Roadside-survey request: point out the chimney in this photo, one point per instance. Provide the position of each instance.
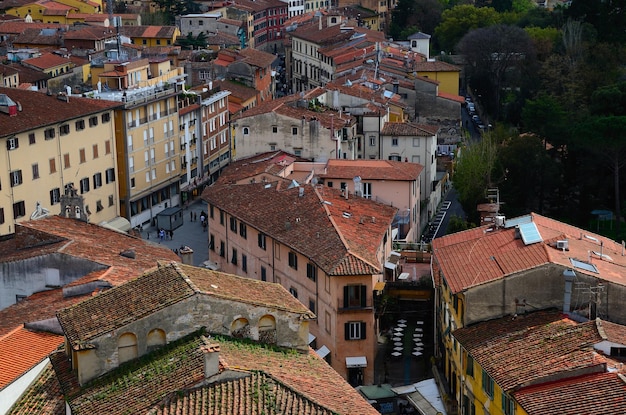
(569, 275)
(211, 352)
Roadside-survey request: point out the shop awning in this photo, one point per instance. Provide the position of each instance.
(357, 361)
(322, 352)
(311, 338)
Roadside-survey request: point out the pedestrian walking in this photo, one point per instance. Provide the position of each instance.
(195, 216)
(172, 235)
(202, 218)
(191, 216)
(161, 234)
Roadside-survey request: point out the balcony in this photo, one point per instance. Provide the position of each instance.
(366, 306)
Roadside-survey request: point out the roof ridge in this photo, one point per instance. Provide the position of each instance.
(332, 220)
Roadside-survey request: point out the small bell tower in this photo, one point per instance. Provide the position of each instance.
(73, 204)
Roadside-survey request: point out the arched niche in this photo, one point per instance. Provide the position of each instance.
(267, 329)
(127, 347)
(156, 338)
(240, 328)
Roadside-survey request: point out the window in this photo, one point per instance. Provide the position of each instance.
(16, 178)
(262, 241)
(469, 369)
(508, 405)
(84, 185)
(221, 217)
(294, 130)
(80, 125)
(311, 271)
(263, 274)
(293, 292)
(93, 121)
(354, 296)
(35, 171)
(367, 190)
(66, 160)
(97, 180)
(1, 216)
(111, 200)
(293, 260)
(107, 147)
(81, 155)
(95, 151)
(99, 206)
(355, 330)
(394, 142)
(132, 182)
(222, 249)
(233, 224)
(64, 129)
(106, 117)
(488, 384)
(312, 305)
(246, 130)
(243, 231)
(31, 138)
(19, 210)
(274, 129)
(13, 143)
(244, 262)
(55, 196)
(233, 258)
(110, 174)
(53, 166)
(49, 134)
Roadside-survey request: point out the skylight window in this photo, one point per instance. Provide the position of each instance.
(603, 256)
(583, 265)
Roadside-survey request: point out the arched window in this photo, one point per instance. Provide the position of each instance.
(267, 329)
(127, 347)
(246, 130)
(156, 338)
(240, 328)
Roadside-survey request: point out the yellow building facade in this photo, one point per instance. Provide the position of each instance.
(72, 147)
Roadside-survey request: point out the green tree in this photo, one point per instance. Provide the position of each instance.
(605, 137)
(545, 118)
(459, 20)
(544, 40)
(410, 16)
(473, 173)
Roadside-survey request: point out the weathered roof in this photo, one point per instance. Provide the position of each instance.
(163, 383)
(31, 117)
(156, 32)
(532, 348)
(339, 244)
(47, 60)
(158, 289)
(593, 394)
(409, 129)
(372, 169)
(477, 256)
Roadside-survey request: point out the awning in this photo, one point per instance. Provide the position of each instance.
(322, 352)
(358, 361)
(390, 265)
(311, 338)
(379, 286)
(119, 224)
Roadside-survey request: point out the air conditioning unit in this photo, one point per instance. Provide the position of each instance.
(563, 244)
(499, 221)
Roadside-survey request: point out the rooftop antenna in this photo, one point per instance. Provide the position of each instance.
(113, 21)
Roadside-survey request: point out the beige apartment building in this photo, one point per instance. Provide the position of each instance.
(326, 249)
(68, 146)
(146, 134)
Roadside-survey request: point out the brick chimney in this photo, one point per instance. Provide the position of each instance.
(211, 353)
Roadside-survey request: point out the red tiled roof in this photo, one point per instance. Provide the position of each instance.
(594, 394)
(160, 288)
(32, 117)
(475, 257)
(451, 97)
(532, 348)
(237, 90)
(257, 58)
(44, 396)
(372, 169)
(15, 28)
(409, 129)
(154, 32)
(339, 244)
(22, 349)
(435, 66)
(47, 60)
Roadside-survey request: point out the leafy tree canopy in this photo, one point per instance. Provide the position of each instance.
(459, 20)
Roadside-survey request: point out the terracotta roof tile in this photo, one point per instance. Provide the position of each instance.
(475, 257)
(339, 244)
(31, 117)
(17, 27)
(435, 66)
(43, 397)
(410, 129)
(148, 31)
(257, 58)
(531, 348)
(594, 394)
(240, 91)
(372, 169)
(21, 349)
(160, 382)
(159, 288)
(46, 61)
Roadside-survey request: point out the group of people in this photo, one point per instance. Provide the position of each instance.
(163, 234)
(193, 216)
